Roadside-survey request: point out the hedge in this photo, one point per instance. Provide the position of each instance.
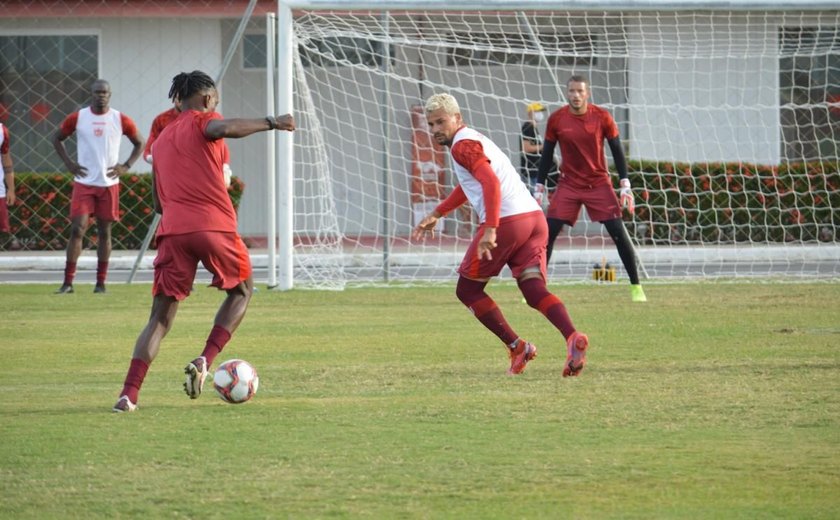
(676, 203)
(721, 203)
(40, 219)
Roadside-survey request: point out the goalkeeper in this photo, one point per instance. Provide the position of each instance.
(580, 128)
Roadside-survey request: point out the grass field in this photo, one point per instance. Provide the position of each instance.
(710, 401)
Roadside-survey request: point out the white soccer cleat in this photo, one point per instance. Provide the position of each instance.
(124, 404)
(196, 372)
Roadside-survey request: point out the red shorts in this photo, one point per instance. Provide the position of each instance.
(103, 203)
(520, 243)
(223, 254)
(600, 201)
(4, 215)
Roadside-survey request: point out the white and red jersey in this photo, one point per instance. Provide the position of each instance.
(98, 142)
(515, 197)
(4, 149)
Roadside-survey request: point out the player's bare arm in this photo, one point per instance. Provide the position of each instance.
(136, 152)
(9, 177)
(72, 166)
(236, 128)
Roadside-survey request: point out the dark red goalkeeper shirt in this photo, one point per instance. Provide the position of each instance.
(581, 139)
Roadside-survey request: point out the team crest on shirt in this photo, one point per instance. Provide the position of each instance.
(98, 132)
(590, 127)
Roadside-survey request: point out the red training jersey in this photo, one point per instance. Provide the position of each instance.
(581, 140)
(159, 123)
(189, 182)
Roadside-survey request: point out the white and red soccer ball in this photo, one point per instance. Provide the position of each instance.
(236, 381)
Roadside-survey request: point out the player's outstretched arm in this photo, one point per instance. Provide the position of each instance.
(72, 166)
(426, 226)
(429, 222)
(236, 128)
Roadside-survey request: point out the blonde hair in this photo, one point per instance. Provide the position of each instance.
(444, 101)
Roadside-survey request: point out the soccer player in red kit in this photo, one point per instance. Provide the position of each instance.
(512, 232)
(7, 180)
(581, 128)
(158, 124)
(96, 176)
(198, 224)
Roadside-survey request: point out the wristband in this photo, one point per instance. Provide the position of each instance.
(270, 120)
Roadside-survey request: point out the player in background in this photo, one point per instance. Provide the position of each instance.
(7, 186)
(198, 224)
(159, 123)
(580, 128)
(96, 176)
(512, 232)
(530, 144)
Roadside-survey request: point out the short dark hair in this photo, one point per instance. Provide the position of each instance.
(100, 81)
(578, 78)
(185, 84)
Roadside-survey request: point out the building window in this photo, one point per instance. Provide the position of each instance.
(42, 79)
(809, 91)
(253, 51)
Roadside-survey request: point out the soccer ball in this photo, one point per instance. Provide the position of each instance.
(236, 381)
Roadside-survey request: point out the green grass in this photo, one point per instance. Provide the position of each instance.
(709, 401)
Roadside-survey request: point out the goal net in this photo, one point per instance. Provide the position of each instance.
(730, 119)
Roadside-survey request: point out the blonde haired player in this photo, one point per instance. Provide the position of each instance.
(512, 232)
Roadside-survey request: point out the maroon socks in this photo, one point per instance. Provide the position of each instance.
(101, 272)
(216, 341)
(69, 272)
(538, 297)
(471, 293)
(134, 379)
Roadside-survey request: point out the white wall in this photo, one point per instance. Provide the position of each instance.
(139, 57)
(705, 90)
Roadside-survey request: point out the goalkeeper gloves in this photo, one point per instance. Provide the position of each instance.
(539, 193)
(626, 195)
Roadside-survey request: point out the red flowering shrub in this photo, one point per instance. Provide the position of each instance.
(720, 203)
(41, 218)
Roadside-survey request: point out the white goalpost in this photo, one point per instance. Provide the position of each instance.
(729, 112)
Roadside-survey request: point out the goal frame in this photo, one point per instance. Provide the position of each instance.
(282, 244)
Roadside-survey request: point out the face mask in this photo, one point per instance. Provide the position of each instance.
(539, 117)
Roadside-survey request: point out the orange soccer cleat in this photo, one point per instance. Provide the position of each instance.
(520, 355)
(575, 354)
